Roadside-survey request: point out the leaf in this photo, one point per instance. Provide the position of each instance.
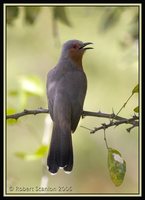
(116, 166)
(39, 153)
(11, 111)
(136, 109)
(11, 14)
(42, 150)
(32, 85)
(31, 13)
(13, 92)
(22, 99)
(111, 17)
(136, 89)
(60, 14)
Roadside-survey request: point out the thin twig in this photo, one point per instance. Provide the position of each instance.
(116, 123)
(124, 104)
(86, 128)
(105, 139)
(130, 128)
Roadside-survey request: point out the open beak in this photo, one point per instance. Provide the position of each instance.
(85, 44)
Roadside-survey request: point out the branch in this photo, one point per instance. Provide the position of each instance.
(102, 115)
(116, 123)
(27, 112)
(120, 120)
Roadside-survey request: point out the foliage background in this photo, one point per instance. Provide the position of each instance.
(33, 45)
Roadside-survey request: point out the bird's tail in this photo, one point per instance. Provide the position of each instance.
(61, 151)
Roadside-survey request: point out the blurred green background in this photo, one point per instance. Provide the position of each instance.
(34, 37)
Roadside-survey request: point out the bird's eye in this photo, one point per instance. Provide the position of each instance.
(74, 46)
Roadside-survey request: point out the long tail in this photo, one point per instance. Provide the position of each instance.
(61, 151)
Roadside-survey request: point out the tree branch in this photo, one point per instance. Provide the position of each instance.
(117, 123)
(120, 120)
(27, 112)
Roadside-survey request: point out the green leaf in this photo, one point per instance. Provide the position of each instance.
(39, 153)
(136, 109)
(12, 13)
(60, 14)
(111, 17)
(42, 150)
(116, 166)
(31, 13)
(23, 98)
(32, 85)
(11, 111)
(136, 89)
(13, 92)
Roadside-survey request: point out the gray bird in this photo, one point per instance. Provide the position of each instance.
(66, 90)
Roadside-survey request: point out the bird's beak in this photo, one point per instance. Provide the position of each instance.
(85, 44)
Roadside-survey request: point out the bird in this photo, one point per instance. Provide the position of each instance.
(66, 90)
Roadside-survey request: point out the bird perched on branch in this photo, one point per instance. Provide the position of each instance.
(66, 90)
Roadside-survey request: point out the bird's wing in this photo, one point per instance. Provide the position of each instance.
(50, 87)
(71, 86)
(74, 86)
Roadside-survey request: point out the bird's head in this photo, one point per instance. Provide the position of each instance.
(74, 50)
